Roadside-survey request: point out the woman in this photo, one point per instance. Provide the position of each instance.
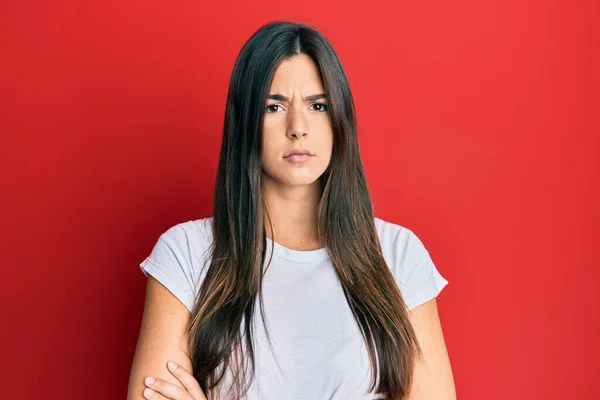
(292, 289)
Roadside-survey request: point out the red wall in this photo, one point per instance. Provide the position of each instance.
(479, 130)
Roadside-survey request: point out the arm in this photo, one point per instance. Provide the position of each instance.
(432, 378)
(162, 338)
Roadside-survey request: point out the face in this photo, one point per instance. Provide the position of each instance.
(296, 118)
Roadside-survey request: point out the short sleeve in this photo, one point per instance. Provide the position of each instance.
(173, 262)
(418, 276)
(410, 262)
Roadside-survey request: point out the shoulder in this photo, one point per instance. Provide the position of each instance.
(183, 232)
(411, 264)
(190, 239)
(399, 243)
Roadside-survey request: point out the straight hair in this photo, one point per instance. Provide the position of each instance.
(221, 328)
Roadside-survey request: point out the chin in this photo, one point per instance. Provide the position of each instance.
(297, 180)
(300, 177)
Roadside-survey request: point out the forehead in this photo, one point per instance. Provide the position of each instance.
(297, 73)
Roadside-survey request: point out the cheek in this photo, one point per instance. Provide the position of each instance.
(270, 146)
(326, 145)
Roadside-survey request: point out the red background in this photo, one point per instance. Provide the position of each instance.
(479, 130)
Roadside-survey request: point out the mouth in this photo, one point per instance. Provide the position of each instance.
(298, 153)
(298, 157)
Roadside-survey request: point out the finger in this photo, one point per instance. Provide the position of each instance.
(187, 380)
(166, 389)
(152, 395)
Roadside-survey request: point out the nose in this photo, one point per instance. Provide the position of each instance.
(297, 126)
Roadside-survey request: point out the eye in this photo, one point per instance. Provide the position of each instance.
(321, 107)
(269, 108)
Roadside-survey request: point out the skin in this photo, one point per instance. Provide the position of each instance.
(292, 190)
(162, 338)
(292, 194)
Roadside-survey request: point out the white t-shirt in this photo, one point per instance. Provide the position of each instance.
(319, 351)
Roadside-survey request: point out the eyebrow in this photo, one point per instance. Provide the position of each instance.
(313, 97)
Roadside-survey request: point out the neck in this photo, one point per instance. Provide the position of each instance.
(293, 212)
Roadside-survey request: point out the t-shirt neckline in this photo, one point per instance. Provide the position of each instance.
(297, 255)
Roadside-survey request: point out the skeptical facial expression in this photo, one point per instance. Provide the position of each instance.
(296, 118)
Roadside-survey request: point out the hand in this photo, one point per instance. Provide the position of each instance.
(158, 389)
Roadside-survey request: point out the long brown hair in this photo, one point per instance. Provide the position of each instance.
(226, 300)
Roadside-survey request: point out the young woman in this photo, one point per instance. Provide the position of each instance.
(293, 289)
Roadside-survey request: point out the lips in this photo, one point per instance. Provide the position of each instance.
(298, 152)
